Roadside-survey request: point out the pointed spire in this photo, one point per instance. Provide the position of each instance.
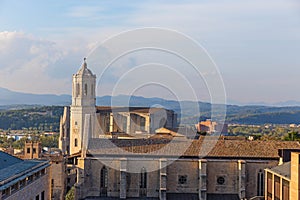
(84, 65)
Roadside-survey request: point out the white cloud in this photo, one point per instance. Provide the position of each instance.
(35, 65)
(240, 35)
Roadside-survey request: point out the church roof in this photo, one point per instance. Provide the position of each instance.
(101, 109)
(204, 147)
(84, 71)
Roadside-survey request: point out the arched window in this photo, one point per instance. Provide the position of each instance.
(143, 183)
(103, 181)
(143, 178)
(260, 183)
(77, 89)
(85, 89)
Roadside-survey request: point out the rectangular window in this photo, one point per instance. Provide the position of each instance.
(5, 192)
(75, 142)
(143, 122)
(28, 150)
(37, 175)
(22, 183)
(43, 195)
(269, 185)
(34, 150)
(29, 179)
(37, 197)
(277, 187)
(14, 188)
(285, 190)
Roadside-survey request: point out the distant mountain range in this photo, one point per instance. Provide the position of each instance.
(281, 113)
(8, 97)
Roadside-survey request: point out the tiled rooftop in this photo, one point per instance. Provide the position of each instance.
(204, 147)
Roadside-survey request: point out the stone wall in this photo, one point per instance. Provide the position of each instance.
(180, 170)
(226, 176)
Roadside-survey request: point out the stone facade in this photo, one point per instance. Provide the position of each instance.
(197, 177)
(83, 103)
(164, 164)
(103, 120)
(57, 175)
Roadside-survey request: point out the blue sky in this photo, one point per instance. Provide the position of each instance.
(255, 43)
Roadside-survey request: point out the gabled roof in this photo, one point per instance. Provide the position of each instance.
(204, 147)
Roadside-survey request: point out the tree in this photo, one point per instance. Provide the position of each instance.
(292, 136)
(49, 141)
(71, 194)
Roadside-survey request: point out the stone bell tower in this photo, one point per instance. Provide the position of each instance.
(83, 103)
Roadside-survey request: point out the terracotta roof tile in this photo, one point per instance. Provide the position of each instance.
(204, 147)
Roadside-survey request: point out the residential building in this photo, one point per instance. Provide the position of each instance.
(23, 179)
(211, 127)
(283, 181)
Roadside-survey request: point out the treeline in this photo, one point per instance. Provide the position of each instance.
(50, 141)
(291, 117)
(266, 132)
(44, 118)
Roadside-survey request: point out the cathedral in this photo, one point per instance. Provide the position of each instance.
(136, 153)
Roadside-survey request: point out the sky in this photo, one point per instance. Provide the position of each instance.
(255, 44)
